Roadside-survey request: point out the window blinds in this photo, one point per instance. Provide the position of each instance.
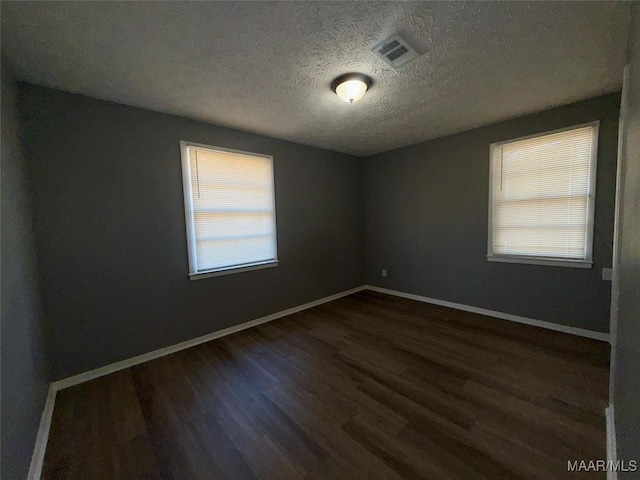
(542, 195)
(231, 209)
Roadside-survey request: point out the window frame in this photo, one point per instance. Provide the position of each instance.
(587, 262)
(187, 194)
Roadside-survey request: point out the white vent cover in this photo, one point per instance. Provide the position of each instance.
(395, 51)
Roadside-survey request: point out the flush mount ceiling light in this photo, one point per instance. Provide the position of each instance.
(350, 87)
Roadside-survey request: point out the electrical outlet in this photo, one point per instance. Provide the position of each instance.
(384, 272)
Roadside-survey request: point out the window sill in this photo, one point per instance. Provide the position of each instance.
(228, 271)
(541, 261)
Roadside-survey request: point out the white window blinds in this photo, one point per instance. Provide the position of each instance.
(229, 203)
(543, 195)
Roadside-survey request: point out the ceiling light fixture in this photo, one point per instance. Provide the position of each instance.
(350, 87)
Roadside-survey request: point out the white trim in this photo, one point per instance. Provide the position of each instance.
(223, 149)
(187, 193)
(35, 469)
(591, 202)
(229, 271)
(581, 332)
(612, 454)
(591, 206)
(130, 362)
(145, 357)
(615, 263)
(40, 447)
(540, 261)
(594, 123)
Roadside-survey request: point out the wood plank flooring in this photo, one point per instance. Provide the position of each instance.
(366, 387)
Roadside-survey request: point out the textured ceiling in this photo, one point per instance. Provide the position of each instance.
(266, 67)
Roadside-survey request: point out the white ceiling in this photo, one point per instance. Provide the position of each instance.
(266, 67)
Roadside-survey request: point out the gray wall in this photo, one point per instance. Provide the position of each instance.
(626, 385)
(426, 223)
(24, 383)
(110, 230)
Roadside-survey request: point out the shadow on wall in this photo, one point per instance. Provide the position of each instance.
(24, 382)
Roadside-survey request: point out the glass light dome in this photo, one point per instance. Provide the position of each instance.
(351, 87)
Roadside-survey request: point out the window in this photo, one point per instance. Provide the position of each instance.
(542, 197)
(230, 210)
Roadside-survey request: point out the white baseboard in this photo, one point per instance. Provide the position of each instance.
(114, 367)
(40, 447)
(35, 469)
(37, 459)
(604, 337)
(612, 455)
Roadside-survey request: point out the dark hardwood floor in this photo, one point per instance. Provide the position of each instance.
(366, 387)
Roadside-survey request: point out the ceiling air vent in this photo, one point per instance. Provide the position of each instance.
(395, 51)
